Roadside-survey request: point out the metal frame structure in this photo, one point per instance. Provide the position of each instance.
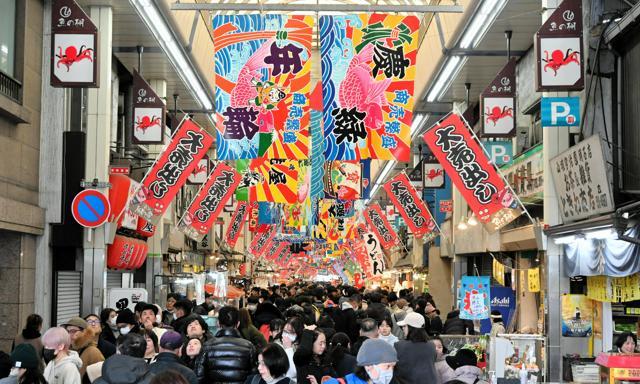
(256, 7)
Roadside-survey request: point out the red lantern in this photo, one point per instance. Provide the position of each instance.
(126, 253)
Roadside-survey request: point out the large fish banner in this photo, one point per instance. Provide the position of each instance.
(263, 74)
(368, 68)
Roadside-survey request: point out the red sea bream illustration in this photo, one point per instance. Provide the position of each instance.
(496, 114)
(72, 55)
(559, 60)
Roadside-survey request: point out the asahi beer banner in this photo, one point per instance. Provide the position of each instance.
(148, 113)
(559, 49)
(464, 160)
(378, 223)
(497, 103)
(368, 69)
(237, 223)
(263, 75)
(200, 173)
(412, 208)
(74, 40)
(169, 173)
(209, 201)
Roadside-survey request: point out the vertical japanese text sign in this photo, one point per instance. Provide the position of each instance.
(261, 240)
(209, 201)
(490, 198)
(170, 171)
(559, 50)
(74, 44)
(236, 224)
(148, 113)
(498, 104)
(379, 224)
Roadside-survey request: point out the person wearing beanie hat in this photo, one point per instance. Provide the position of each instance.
(126, 322)
(169, 357)
(464, 364)
(25, 366)
(375, 363)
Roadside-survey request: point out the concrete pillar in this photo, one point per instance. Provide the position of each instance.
(99, 126)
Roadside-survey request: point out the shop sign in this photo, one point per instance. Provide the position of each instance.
(498, 104)
(378, 223)
(417, 174)
(475, 297)
(559, 50)
(621, 374)
(526, 174)
(170, 171)
(200, 173)
(491, 199)
(433, 173)
(560, 111)
(577, 316)
(375, 255)
(446, 206)
(580, 181)
(413, 209)
(209, 201)
(500, 151)
(74, 45)
(237, 223)
(148, 113)
(121, 298)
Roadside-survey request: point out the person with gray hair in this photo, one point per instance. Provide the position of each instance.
(63, 365)
(368, 330)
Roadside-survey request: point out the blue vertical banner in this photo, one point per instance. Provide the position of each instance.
(475, 298)
(503, 299)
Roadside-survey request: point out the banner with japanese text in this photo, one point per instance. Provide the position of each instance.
(169, 173)
(261, 241)
(378, 223)
(412, 208)
(236, 224)
(375, 258)
(280, 181)
(466, 164)
(343, 179)
(263, 74)
(368, 69)
(209, 201)
(475, 298)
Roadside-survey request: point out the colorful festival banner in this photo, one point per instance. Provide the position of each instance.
(343, 179)
(253, 216)
(263, 74)
(359, 250)
(261, 240)
(577, 316)
(378, 223)
(170, 171)
(368, 68)
(236, 224)
(278, 180)
(490, 198)
(317, 143)
(475, 298)
(412, 208)
(209, 201)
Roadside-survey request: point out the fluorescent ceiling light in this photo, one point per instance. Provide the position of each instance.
(462, 225)
(418, 118)
(482, 21)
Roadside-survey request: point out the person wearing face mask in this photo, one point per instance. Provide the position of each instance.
(108, 317)
(82, 342)
(25, 366)
(183, 310)
(63, 365)
(375, 363)
(289, 339)
(273, 365)
(126, 322)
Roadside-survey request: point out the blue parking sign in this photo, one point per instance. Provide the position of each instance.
(560, 111)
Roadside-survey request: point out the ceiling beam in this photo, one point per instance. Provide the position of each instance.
(316, 7)
(479, 52)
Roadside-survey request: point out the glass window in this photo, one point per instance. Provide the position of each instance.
(7, 35)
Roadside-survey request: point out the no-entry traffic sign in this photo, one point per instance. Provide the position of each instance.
(90, 208)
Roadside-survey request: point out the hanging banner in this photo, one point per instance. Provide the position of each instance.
(533, 280)
(74, 44)
(236, 224)
(498, 271)
(343, 179)
(376, 257)
(577, 316)
(200, 173)
(261, 240)
(412, 208)
(263, 74)
(559, 50)
(317, 143)
(368, 69)
(148, 113)
(498, 104)
(279, 180)
(475, 298)
(464, 160)
(209, 201)
(503, 299)
(169, 173)
(378, 223)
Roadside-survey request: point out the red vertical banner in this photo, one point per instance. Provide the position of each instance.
(237, 220)
(380, 226)
(359, 249)
(170, 171)
(209, 201)
(491, 199)
(253, 216)
(261, 241)
(413, 209)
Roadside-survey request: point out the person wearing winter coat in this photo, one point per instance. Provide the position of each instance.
(273, 365)
(63, 365)
(375, 363)
(107, 348)
(168, 358)
(454, 325)
(249, 331)
(82, 341)
(31, 335)
(464, 364)
(444, 371)
(129, 366)
(25, 366)
(195, 326)
(312, 363)
(416, 354)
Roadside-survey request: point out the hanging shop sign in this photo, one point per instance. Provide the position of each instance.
(498, 272)
(560, 111)
(500, 151)
(498, 104)
(261, 240)
(254, 211)
(559, 49)
(577, 316)
(433, 172)
(368, 69)
(343, 179)
(413, 209)
(169, 173)
(209, 201)
(475, 298)
(148, 113)
(490, 198)
(533, 280)
(201, 171)
(126, 253)
(580, 181)
(378, 223)
(525, 174)
(90, 208)
(263, 74)
(237, 223)
(279, 180)
(375, 256)
(121, 298)
(74, 44)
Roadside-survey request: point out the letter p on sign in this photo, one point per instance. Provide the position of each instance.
(560, 111)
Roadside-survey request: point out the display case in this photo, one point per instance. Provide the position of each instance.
(619, 368)
(477, 343)
(510, 354)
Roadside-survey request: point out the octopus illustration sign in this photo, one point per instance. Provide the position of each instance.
(491, 199)
(498, 103)
(263, 81)
(559, 50)
(368, 68)
(74, 46)
(148, 113)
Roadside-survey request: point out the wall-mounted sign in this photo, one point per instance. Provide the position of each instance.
(498, 104)
(526, 174)
(559, 49)
(580, 180)
(148, 113)
(446, 206)
(500, 151)
(74, 44)
(560, 111)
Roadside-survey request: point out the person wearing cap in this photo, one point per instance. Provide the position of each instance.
(497, 325)
(465, 367)
(25, 366)
(126, 367)
(148, 316)
(63, 365)
(416, 354)
(126, 322)
(82, 341)
(375, 364)
(169, 357)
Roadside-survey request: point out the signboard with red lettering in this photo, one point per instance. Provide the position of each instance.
(148, 113)
(261, 240)
(464, 160)
(498, 104)
(74, 38)
(378, 223)
(170, 171)
(237, 223)
(209, 201)
(446, 206)
(412, 208)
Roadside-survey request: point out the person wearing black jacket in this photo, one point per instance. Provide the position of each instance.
(167, 359)
(312, 363)
(454, 325)
(344, 363)
(346, 318)
(432, 315)
(228, 358)
(182, 310)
